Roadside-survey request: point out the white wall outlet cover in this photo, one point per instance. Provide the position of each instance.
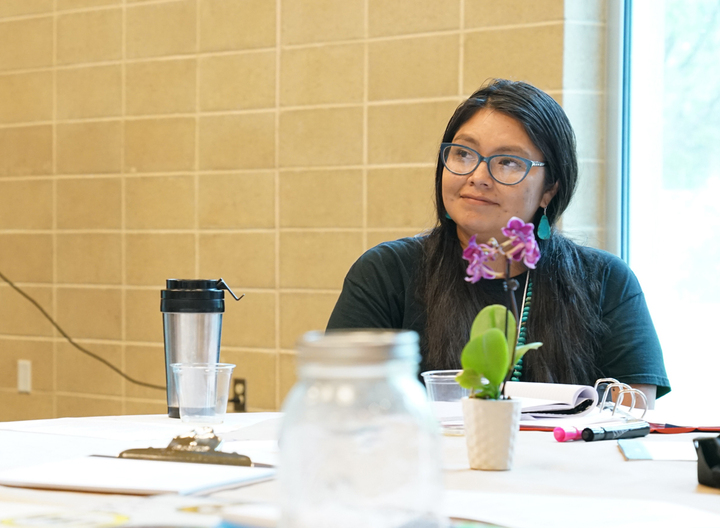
(24, 379)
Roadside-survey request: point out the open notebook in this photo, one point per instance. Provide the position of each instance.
(552, 400)
(543, 406)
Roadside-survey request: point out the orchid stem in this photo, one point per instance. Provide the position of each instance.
(510, 287)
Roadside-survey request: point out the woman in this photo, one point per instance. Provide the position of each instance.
(509, 150)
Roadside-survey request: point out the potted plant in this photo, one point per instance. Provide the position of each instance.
(488, 359)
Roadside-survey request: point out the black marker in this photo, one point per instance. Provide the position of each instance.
(613, 432)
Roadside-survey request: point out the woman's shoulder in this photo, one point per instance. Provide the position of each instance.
(603, 259)
(390, 258)
(618, 280)
(589, 257)
(407, 250)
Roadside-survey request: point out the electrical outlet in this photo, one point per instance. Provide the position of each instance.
(239, 395)
(24, 375)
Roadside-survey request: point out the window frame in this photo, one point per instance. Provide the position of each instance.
(618, 76)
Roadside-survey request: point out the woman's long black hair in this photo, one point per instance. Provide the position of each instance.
(565, 311)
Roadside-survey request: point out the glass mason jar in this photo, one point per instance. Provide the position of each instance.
(359, 446)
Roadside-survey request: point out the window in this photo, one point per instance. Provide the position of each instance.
(673, 210)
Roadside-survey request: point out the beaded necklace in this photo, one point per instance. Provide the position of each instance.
(522, 335)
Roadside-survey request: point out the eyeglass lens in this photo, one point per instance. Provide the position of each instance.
(504, 168)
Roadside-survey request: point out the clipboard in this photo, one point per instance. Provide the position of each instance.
(197, 447)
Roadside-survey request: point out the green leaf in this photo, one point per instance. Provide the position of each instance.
(469, 379)
(493, 316)
(487, 354)
(491, 392)
(521, 350)
(487, 392)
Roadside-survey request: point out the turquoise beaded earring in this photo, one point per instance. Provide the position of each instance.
(544, 227)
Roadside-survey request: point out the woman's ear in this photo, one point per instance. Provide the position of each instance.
(549, 195)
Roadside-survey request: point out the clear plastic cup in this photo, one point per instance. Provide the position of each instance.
(444, 394)
(203, 390)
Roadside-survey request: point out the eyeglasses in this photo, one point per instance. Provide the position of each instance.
(503, 168)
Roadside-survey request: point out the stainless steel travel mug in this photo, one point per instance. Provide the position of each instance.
(192, 324)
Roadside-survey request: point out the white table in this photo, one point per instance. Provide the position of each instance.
(542, 465)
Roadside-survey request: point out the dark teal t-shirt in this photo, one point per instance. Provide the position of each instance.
(380, 292)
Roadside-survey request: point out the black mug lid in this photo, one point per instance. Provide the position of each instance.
(191, 284)
(195, 296)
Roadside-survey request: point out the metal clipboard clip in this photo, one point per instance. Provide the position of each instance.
(198, 446)
(623, 388)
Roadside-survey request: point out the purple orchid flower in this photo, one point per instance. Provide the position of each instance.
(478, 255)
(522, 239)
(523, 247)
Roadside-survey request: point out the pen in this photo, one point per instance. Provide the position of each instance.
(614, 432)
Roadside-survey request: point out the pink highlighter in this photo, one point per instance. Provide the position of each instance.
(566, 434)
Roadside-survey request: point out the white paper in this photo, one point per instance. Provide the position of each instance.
(511, 510)
(252, 515)
(259, 430)
(64, 510)
(259, 451)
(133, 428)
(594, 417)
(134, 477)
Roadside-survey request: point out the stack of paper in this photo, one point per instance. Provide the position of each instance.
(134, 477)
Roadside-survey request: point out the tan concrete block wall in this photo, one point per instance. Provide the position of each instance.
(264, 141)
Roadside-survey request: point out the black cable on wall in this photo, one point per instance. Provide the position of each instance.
(73, 343)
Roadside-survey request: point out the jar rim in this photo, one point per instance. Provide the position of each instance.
(359, 346)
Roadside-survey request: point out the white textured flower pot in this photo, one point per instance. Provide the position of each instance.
(491, 427)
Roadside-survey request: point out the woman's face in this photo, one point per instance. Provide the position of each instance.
(478, 204)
